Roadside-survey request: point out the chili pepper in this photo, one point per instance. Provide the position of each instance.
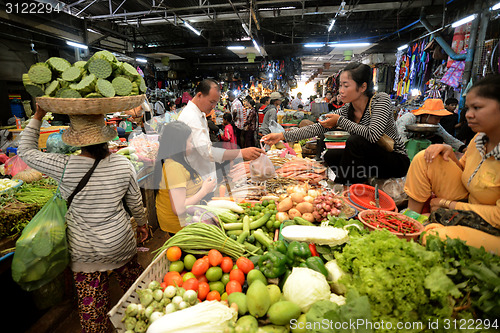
(316, 263)
(273, 264)
(279, 246)
(312, 248)
(298, 252)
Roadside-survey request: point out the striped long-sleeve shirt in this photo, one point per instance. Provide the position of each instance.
(372, 125)
(100, 235)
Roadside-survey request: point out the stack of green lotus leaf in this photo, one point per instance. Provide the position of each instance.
(101, 76)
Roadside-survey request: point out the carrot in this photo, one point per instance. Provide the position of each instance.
(222, 191)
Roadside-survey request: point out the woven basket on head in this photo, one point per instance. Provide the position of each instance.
(75, 106)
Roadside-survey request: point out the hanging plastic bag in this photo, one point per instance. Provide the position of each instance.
(42, 250)
(274, 127)
(14, 165)
(262, 168)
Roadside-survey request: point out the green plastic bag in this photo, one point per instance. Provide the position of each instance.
(42, 250)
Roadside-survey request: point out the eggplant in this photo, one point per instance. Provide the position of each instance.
(202, 215)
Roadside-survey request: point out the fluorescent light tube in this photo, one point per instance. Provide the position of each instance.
(256, 46)
(403, 47)
(314, 45)
(78, 45)
(191, 28)
(464, 20)
(236, 47)
(245, 28)
(349, 44)
(331, 25)
(495, 7)
(140, 60)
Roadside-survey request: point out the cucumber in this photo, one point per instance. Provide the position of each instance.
(259, 222)
(302, 221)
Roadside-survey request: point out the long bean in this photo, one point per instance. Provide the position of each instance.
(199, 238)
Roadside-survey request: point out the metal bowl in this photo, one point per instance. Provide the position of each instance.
(337, 135)
(428, 128)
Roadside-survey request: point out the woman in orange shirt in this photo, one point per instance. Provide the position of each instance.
(179, 185)
(467, 192)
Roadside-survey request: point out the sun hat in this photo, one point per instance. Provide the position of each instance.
(87, 130)
(275, 95)
(432, 106)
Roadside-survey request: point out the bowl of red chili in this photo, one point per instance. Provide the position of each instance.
(400, 225)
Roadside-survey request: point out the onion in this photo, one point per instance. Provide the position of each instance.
(281, 216)
(328, 208)
(309, 199)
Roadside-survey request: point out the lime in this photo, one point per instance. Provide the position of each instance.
(223, 297)
(277, 224)
(271, 206)
(225, 278)
(189, 260)
(214, 273)
(187, 276)
(176, 266)
(218, 286)
(269, 224)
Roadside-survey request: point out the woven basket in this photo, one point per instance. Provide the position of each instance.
(79, 106)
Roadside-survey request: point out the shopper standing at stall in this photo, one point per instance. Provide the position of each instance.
(249, 126)
(204, 155)
(239, 114)
(369, 120)
(178, 183)
(100, 235)
(467, 192)
(296, 101)
(271, 113)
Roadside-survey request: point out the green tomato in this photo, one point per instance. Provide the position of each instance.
(187, 276)
(189, 260)
(271, 206)
(214, 274)
(176, 266)
(265, 203)
(218, 285)
(276, 224)
(225, 278)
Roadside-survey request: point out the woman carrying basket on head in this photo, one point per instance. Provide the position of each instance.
(100, 235)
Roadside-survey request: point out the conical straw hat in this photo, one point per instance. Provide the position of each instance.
(87, 130)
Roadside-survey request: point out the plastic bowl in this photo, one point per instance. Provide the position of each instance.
(413, 236)
(364, 196)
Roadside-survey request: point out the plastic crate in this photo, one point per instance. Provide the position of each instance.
(155, 271)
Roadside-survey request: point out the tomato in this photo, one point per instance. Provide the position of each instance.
(233, 287)
(203, 290)
(176, 266)
(191, 284)
(237, 275)
(200, 267)
(202, 278)
(245, 264)
(173, 278)
(174, 253)
(163, 285)
(214, 274)
(214, 257)
(206, 258)
(226, 264)
(213, 296)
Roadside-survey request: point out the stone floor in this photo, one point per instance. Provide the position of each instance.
(63, 318)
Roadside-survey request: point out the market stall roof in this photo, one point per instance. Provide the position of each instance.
(201, 30)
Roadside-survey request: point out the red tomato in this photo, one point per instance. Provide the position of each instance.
(173, 278)
(203, 290)
(245, 264)
(214, 257)
(237, 275)
(226, 264)
(200, 267)
(213, 296)
(233, 287)
(191, 284)
(163, 285)
(202, 278)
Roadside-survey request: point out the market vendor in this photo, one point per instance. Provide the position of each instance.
(179, 185)
(271, 112)
(430, 113)
(194, 114)
(369, 120)
(465, 194)
(100, 235)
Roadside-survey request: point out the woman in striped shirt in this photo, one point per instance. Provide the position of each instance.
(367, 117)
(101, 237)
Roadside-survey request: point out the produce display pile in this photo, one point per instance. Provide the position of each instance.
(17, 208)
(270, 269)
(101, 76)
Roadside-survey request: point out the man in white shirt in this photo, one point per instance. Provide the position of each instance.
(159, 108)
(296, 102)
(204, 156)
